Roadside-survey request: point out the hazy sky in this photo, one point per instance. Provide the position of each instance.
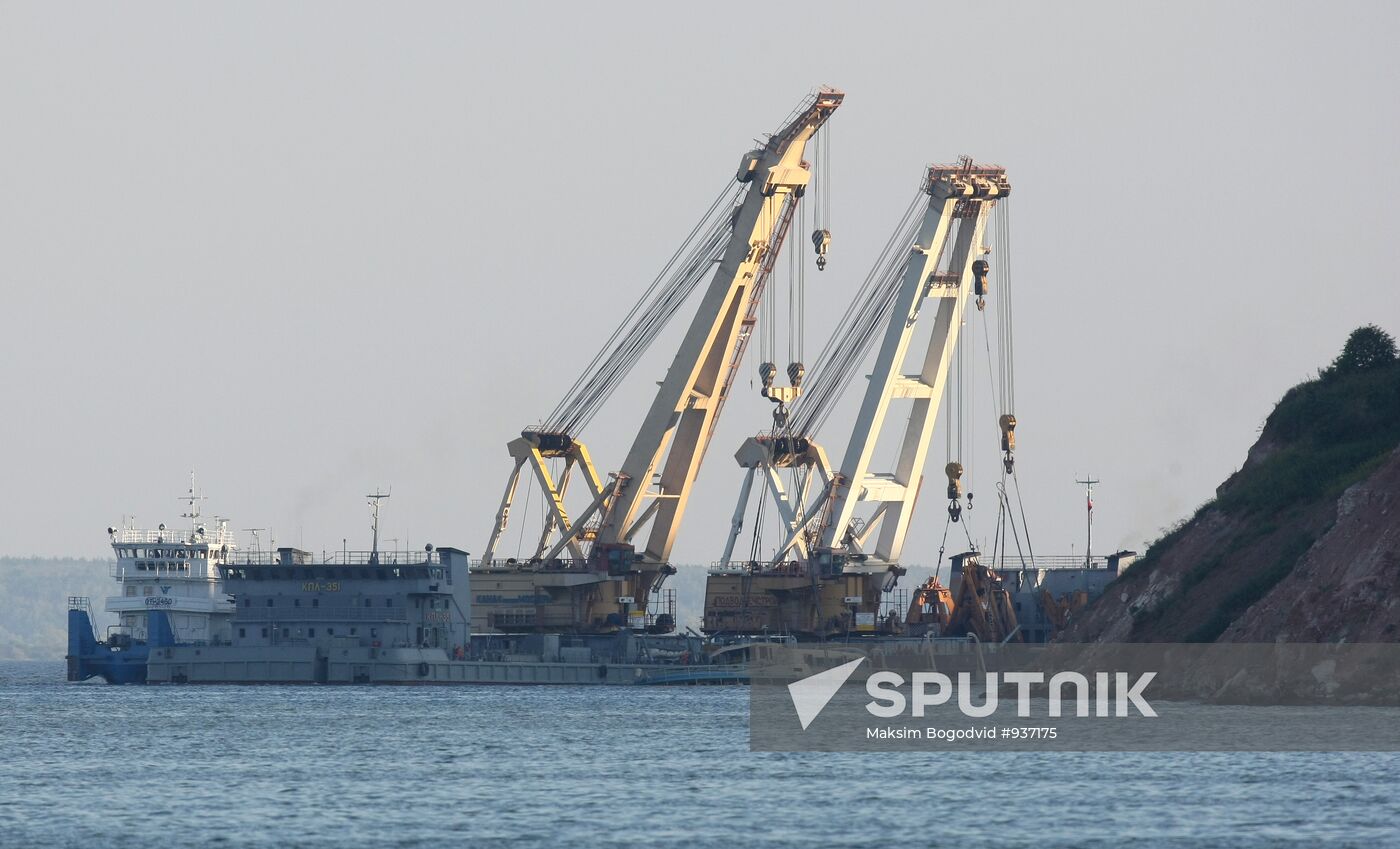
(316, 248)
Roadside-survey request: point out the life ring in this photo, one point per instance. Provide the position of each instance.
(423, 669)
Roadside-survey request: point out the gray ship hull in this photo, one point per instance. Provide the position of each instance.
(360, 665)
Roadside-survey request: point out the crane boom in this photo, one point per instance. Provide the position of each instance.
(956, 193)
(686, 407)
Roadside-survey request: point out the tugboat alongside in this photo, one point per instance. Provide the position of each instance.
(171, 593)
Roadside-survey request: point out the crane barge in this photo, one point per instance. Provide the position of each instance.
(828, 575)
(601, 570)
(842, 529)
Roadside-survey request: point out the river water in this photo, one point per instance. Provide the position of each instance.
(88, 765)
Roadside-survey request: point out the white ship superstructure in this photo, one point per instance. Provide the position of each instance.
(176, 571)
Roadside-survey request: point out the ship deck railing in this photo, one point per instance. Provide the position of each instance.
(159, 569)
(174, 536)
(786, 568)
(1061, 561)
(565, 564)
(334, 558)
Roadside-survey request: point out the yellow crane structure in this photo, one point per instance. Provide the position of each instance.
(842, 528)
(599, 568)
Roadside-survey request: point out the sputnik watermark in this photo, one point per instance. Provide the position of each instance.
(1103, 697)
(811, 695)
(1113, 694)
(1119, 688)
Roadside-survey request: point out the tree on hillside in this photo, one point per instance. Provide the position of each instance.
(1366, 348)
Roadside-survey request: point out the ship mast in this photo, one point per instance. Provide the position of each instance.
(374, 499)
(1088, 484)
(192, 507)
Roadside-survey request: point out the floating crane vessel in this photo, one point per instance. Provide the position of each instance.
(587, 601)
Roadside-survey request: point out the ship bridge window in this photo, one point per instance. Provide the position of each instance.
(131, 589)
(149, 590)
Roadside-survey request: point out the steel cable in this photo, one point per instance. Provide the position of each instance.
(671, 287)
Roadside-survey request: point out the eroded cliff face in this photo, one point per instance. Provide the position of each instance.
(1347, 586)
(1302, 544)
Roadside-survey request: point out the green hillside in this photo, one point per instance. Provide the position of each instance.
(1323, 436)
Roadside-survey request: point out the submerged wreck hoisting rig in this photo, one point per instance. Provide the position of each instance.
(833, 571)
(586, 601)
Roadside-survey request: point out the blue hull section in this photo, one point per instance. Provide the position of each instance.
(121, 662)
(700, 675)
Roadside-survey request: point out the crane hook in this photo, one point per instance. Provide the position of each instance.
(1008, 442)
(821, 240)
(979, 282)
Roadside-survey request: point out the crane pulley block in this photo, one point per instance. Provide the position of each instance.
(1008, 432)
(1008, 442)
(821, 241)
(549, 444)
(789, 446)
(766, 373)
(954, 472)
(980, 286)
